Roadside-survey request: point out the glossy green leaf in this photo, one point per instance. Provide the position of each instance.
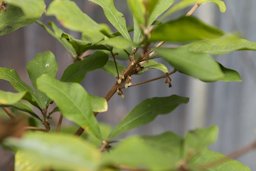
(198, 162)
(43, 63)
(110, 68)
(152, 64)
(223, 45)
(57, 151)
(184, 29)
(230, 75)
(198, 65)
(115, 17)
(159, 9)
(160, 152)
(199, 139)
(73, 101)
(99, 104)
(9, 98)
(20, 13)
(71, 17)
(136, 31)
(186, 3)
(147, 111)
(77, 71)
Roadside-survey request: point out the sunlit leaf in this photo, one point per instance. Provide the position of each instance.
(19, 13)
(223, 45)
(152, 64)
(147, 111)
(230, 75)
(56, 151)
(9, 98)
(73, 101)
(115, 17)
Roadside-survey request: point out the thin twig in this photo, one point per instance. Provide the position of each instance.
(58, 128)
(114, 58)
(154, 79)
(36, 129)
(8, 112)
(193, 9)
(230, 156)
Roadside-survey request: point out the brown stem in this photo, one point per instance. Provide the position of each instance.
(36, 129)
(58, 128)
(8, 112)
(154, 79)
(193, 9)
(230, 156)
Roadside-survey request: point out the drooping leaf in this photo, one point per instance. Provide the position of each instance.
(71, 17)
(13, 78)
(43, 63)
(152, 64)
(73, 101)
(115, 17)
(201, 162)
(57, 151)
(147, 111)
(160, 152)
(110, 68)
(9, 98)
(230, 75)
(186, 3)
(198, 65)
(199, 139)
(159, 9)
(19, 13)
(184, 29)
(77, 71)
(223, 45)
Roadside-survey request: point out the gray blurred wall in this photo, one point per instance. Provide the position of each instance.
(229, 105)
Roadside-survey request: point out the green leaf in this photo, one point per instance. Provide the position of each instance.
(115, 17)
(147, 111)
(117, 42)
(223, 45)
(208, 156)
(152, 64)
(57, 151)
(73, 101)
(43, 63)
(110, 68)
(136, 32)
(199, 139)
(184, 29)
(20, 13)
(186, 3)
(161, 152)
(198, 65)
(71, 17)
(99, 104)
(33, 96)
(9, 98)
(138, 10)
(24, 164)
(57, 34)
(230, 75)
(159, 9)
(77, 71)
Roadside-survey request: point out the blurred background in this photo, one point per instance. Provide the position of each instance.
(231, 106)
